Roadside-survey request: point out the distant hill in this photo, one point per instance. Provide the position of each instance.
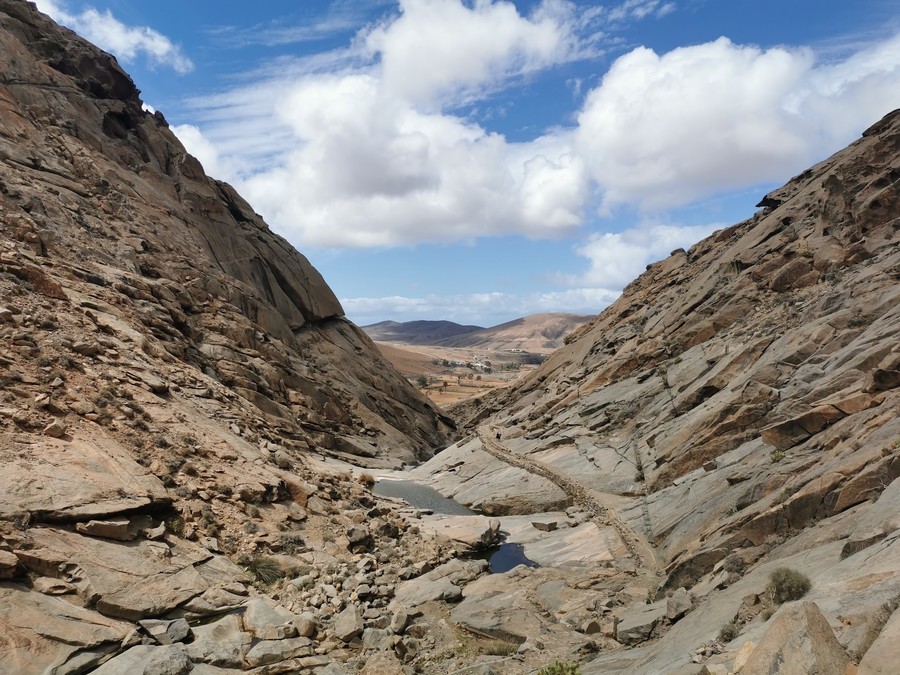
(417, 332)
(539, 333)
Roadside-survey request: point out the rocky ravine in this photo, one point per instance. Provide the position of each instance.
(172, 376)
(179, 387)
(737, 408)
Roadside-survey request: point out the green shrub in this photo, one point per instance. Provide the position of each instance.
(264, 569)
(175, 526)
(560, 668)
(786, 584)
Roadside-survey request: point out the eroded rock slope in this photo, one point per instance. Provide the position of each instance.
(170, 371)
(738, 403)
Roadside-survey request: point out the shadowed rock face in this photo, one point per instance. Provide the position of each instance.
(171, 375)
(106, 202)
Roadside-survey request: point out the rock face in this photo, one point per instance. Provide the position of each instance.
(108, 219)
(738, 404)
(798, 641)
(177, 386)
(176, 383)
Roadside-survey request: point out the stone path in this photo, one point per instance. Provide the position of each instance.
(637, 545)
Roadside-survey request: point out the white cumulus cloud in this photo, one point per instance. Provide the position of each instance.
(665, 130)
(439, 50)
(615, 259)
(367, 148)
(125, 42)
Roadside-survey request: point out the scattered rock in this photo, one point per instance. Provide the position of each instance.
(678, 604)
(399, 621)
(56, 429)
(348, 624)
(266, 652)
(149, 660)
(268, 621)
(118, 529)
(167, 632)
(9, 563)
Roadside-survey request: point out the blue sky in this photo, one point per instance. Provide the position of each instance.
(479, 161)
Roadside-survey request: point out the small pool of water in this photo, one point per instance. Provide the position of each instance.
(508, 556)
(420, 496)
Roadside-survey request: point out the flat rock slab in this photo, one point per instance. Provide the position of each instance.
(880, 520)
(133, 580)
(118, 528)
(637, 623)
(80, 479)
(40, 632)
(479, 480)
(441, 583)
(222, 643)
(147, 659)
(166, 632)
(883, 657)
(266, 652)
(268, 621)
(472, 532)
(584, 543)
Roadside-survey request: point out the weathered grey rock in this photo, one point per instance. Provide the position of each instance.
(399, 620)
(487, 485)
(51, 586)
(98, 471)
(269, 621)
(220, 643)
(358, 537)
(41, 632)
(149, 660)
(348, 624)
(167, 632)
(798, 641)
(878, 522)
(544, 526)
(637, 623)
(118, 529)
(678, 604)
(266, 652)
(376, 638)
(441, 583)
(86, 348)
(9, 563)
(306, 624)
(421, 590)
(884, 654)
(56, 429)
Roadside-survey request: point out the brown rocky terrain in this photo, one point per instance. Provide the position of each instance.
(178, 389)
(736, 410)
(536, 333)
(171, 373)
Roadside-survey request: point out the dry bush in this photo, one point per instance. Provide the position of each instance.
(786, 584)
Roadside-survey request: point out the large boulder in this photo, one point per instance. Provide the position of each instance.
(800, 640)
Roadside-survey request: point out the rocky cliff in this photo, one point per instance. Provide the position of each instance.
(177, 387)
(171, 374)
(735, 409)
(101, 200)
